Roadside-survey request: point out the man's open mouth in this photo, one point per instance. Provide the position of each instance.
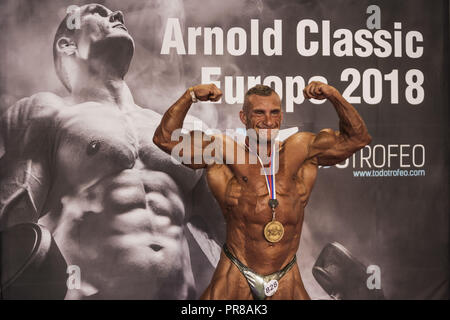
(120, 26)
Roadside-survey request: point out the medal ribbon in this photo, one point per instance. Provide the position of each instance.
(270, 178)
(273, 231)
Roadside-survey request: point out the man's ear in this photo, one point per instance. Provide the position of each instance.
(66, 46)
(243, 117)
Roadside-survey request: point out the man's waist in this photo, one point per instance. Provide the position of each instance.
(262, 260)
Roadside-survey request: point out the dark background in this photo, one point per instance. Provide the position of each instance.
(398, 223)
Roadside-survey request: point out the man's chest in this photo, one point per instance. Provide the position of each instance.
(251, 183)
(97, 141)
(97, 131)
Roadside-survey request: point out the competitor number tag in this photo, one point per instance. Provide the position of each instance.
(270, 287)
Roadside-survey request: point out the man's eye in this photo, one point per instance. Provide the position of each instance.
(100, 11)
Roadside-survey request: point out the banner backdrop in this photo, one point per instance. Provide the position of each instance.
(387, 205)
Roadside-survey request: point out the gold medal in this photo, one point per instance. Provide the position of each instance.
(273, 231)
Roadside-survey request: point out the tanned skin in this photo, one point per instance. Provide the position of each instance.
(241, 190)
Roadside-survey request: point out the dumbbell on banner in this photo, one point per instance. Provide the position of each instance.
(31, 264)
(342, 276)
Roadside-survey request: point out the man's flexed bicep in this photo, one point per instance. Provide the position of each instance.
(331, 147)
(27, 126)
(26, 131)
(188, 147)
(13, 125)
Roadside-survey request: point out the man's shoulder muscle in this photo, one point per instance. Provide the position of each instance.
(300, 140)
(40, 105)
(28, 117)
(297, 147)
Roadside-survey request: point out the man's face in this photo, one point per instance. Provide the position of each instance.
(98, 23)
(264, 115)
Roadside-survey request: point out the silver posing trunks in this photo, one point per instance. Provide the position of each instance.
(260, 286)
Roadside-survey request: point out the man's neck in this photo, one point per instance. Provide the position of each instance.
(261, 147)
(103, 88)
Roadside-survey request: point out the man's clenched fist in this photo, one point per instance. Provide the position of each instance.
(207, 92)
(318, 90)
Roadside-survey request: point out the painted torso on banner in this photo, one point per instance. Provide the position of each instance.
(117, 204)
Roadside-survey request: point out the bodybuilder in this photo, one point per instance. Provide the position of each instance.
(85, 166)
(263, 223)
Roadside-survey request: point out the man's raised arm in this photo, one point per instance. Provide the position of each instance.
(173, 120)
(328, 146)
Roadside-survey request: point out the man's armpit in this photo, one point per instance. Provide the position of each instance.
(326, 147)
(329, 147)
(322, 142)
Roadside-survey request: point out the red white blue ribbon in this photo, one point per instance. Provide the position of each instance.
(270, 177)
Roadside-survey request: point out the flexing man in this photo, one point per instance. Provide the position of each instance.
(264, 214)
(85, 166)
